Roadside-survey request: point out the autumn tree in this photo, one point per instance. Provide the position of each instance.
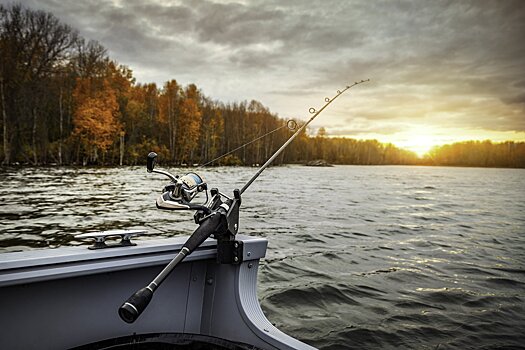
(479, 153)
(321, 142)
(89, 59)
(143, 128)
(62, 98)
(96, 119)
(34, 47)
(188, 125)
(169, 114)
(212, 131)
(86, 60)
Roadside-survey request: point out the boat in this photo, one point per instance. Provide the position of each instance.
(68, 298)
(195, 292)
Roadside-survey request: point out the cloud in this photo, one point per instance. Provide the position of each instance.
(515, 99)
(449, 64)
(352, 131)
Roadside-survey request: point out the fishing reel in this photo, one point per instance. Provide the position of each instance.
(181, 191)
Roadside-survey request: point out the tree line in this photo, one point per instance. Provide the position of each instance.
(478, 154)
(64, 101)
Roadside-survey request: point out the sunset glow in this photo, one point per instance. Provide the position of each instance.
(418, 139)
(440, 72)
(421, 139)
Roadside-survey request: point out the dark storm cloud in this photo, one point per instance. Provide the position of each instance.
(235, 26)
(462, 59)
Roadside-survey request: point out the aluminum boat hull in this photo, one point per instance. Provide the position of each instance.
(68, 298)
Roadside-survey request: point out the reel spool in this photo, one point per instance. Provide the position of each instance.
(188, 186)
(178, 195)
(182, 189)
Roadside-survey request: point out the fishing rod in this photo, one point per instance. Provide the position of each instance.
(290, 124)
(218, 216)
(315, 114)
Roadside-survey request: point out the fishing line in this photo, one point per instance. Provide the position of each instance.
(290, 124)
(315, 114)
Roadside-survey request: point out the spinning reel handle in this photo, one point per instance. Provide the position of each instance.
(152, 158)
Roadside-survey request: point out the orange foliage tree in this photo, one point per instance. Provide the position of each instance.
(212, 132)
(96, 124)
(169, 103)
(189, 125)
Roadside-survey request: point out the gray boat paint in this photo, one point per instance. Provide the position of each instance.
(68, 297)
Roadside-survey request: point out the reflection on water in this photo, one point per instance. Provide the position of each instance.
(359, 257)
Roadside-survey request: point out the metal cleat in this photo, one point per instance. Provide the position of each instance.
(100, 238)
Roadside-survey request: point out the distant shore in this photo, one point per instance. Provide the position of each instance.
(94, 166)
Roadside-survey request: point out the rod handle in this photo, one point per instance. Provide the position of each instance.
(133, 307)
(205, 230)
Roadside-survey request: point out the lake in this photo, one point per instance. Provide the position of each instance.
(359, 256)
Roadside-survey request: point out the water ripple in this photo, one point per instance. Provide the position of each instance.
(358, 257)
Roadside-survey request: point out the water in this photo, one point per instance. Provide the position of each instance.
(359, 257)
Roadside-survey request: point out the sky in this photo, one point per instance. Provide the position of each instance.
(440, 71)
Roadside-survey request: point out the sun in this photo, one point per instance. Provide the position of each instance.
(420, 144)
(419, 140)
(415, 138)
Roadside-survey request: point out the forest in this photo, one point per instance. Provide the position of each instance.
(63, 101)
